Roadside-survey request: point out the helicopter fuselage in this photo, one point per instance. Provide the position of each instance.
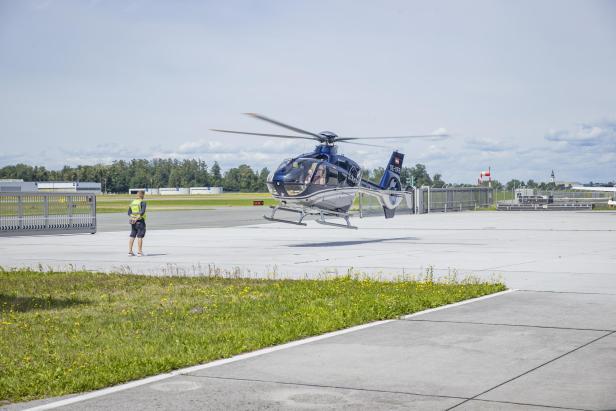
(321, 179)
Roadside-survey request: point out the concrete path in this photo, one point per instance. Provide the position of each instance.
(551, 345)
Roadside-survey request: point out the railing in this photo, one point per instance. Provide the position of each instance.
(511, 206)
(47, 213)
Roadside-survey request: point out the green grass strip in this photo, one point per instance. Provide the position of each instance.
(70, 332)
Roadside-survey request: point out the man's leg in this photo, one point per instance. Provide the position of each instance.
(131, 241)
(140, 245)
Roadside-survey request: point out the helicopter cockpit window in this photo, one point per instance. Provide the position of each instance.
(299, 171)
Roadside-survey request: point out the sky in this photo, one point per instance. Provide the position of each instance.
(523, 87)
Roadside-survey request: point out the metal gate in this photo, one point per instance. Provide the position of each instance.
(47, 213)
(430, 200)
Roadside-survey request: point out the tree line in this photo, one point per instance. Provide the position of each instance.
(121, 175)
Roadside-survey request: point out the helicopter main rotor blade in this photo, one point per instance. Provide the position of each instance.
(279, 124)
(262, 134)
(359, 144)
(394, 137)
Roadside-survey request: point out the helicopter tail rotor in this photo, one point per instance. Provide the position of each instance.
(391, 184)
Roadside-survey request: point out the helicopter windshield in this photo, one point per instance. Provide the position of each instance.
(299, 171)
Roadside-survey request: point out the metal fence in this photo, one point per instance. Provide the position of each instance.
(47, 213)
(430, 200)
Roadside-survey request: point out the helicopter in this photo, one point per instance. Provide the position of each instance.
(324, 183)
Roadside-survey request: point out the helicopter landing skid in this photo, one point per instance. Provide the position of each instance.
(306, 212)
(322, 215)
(280, 220)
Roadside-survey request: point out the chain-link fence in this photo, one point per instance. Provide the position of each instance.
(47, 213)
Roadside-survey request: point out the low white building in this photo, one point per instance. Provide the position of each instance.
(173, 191)
(69, 187)
(149, 191)
(176, 191)
(205, 190)
(17, 186)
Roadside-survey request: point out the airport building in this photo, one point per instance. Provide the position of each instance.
(20, 186)
(69, 187)
(205, 190)
(171, 191)
(149, 191)
(17, 186)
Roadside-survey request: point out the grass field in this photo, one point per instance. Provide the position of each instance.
(118, 203)
(69, 332)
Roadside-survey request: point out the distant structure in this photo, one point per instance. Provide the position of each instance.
(178, 191)
(69, 187)
(17, 186)
(20, 186)
(149, 191)
(205, 190)
(552, 178)
(173, 191)
(485, 174)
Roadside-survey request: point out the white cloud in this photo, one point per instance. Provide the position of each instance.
(488, 144)
(586, 135)
(200, 146)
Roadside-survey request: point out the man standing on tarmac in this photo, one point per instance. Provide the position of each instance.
(136, 213)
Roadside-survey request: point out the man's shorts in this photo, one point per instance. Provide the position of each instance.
(137, 229)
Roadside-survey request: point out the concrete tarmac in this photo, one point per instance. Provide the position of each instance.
(549, 345)
(174, 220)
(559, 251)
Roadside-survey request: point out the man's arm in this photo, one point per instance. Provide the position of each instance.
(129, 211)
(142, 208)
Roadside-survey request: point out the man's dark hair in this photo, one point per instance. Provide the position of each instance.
(141, 192)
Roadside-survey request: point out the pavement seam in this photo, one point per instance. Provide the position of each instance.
(339, 387)
(508, 325)
(534, 369)
(457, 304)
(529, 404)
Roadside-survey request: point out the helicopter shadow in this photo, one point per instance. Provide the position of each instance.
(347, 243)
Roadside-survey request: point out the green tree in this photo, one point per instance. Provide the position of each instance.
(511, 184)
(437, 181)
(216, 175)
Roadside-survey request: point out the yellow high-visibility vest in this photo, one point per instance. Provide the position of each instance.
(135, 207)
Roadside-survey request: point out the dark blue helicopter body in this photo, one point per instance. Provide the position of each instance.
(324, 183)
(325, 180)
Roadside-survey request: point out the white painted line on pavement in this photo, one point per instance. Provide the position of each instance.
(472, 300)
(187, 370)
